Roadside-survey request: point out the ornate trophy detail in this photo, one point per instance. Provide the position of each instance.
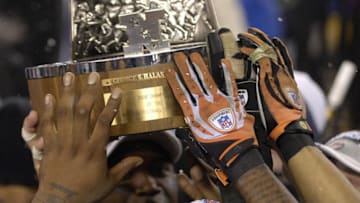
(129, 42)
(137, 27)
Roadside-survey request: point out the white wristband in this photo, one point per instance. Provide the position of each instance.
(36, 153)
(27, 136)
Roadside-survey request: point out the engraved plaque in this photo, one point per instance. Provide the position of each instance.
(147, 104)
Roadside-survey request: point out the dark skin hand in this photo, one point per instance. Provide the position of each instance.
(198, 185)
(74, 166)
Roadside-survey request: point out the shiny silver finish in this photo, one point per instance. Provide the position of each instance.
(46, 71)
(132, 28)
(106, 64)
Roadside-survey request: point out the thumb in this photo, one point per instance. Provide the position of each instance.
(121, 169)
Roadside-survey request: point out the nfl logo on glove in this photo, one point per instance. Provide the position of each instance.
(223, 119)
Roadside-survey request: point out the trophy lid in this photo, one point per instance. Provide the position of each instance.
(133, 28)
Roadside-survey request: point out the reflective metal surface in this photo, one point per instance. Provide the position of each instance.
(135, 27)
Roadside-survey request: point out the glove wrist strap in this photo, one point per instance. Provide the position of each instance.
(290, 144)
(246, 161)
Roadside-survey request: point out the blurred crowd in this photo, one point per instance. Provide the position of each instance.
(320, 35)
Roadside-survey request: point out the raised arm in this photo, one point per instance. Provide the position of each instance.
(315, 177)
(223, 131)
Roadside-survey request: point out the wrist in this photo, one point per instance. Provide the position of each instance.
(290, 144)
(249, 160)
(54, 192)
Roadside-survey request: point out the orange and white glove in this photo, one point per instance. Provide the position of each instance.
(245, 77)
(219, 122)
(283, 108)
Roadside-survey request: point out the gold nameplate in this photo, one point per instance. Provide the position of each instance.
(147, 104)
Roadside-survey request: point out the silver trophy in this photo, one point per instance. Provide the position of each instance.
(135, 28)
(130, 43)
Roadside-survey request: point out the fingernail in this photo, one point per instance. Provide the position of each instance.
(115, 93)
(93, 77)
(48, 99)
(67, 79)
(181, 171)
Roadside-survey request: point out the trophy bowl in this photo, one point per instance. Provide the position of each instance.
(101, 28)
(130, 44)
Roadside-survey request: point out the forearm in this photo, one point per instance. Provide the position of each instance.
(318, 180)
(315, 177)
(258, 184)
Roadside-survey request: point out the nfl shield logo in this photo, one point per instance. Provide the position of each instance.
(225, 122)
(294, 97)
(223, 119)
(243, 95)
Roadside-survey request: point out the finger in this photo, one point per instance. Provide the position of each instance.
(285, 55)
(260, 34)
(262, 51)
(29, 127)
(231, 87)
(66, 105)
(248, 43)
(47, 128)
(264, 37)
(215, 54)
(205, 77)
(188, 73)
(231, 49)
(187, 185)
(37, 152)
(37, 148)
(121, 169)
(84, 107)
(27, 136)
(232, 90)
(31, 121)
(201, 181)
(179, 91)
(100, 134)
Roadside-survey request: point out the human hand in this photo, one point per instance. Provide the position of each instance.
(218, 122)
(199, 185)
(74, 165)
(283, 107)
